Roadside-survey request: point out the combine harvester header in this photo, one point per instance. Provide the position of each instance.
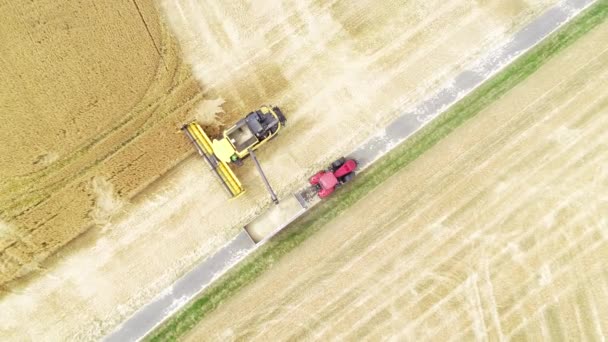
(203, 145)
(237, 143)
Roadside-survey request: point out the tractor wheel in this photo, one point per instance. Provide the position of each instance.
(348, 177)
(336, 164)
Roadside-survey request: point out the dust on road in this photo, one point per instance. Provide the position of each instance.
(497, 232)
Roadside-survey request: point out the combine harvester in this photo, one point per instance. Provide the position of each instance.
(236, 143)
(239, 142)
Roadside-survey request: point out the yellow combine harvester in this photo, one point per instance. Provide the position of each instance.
(236, 143)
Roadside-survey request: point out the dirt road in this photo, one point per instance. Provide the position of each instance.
(339, 72)
(505, 237)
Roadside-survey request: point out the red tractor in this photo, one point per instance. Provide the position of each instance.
(340, 172)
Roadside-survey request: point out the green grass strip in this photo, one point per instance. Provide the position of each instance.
(253, 266)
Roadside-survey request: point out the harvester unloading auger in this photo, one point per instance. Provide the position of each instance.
(236, 143)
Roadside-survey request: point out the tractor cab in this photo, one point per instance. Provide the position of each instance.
(328, 180)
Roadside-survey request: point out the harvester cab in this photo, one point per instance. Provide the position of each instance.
(249, 134)
(237, 143)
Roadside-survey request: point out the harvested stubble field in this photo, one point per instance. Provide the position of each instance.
(499, 231)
